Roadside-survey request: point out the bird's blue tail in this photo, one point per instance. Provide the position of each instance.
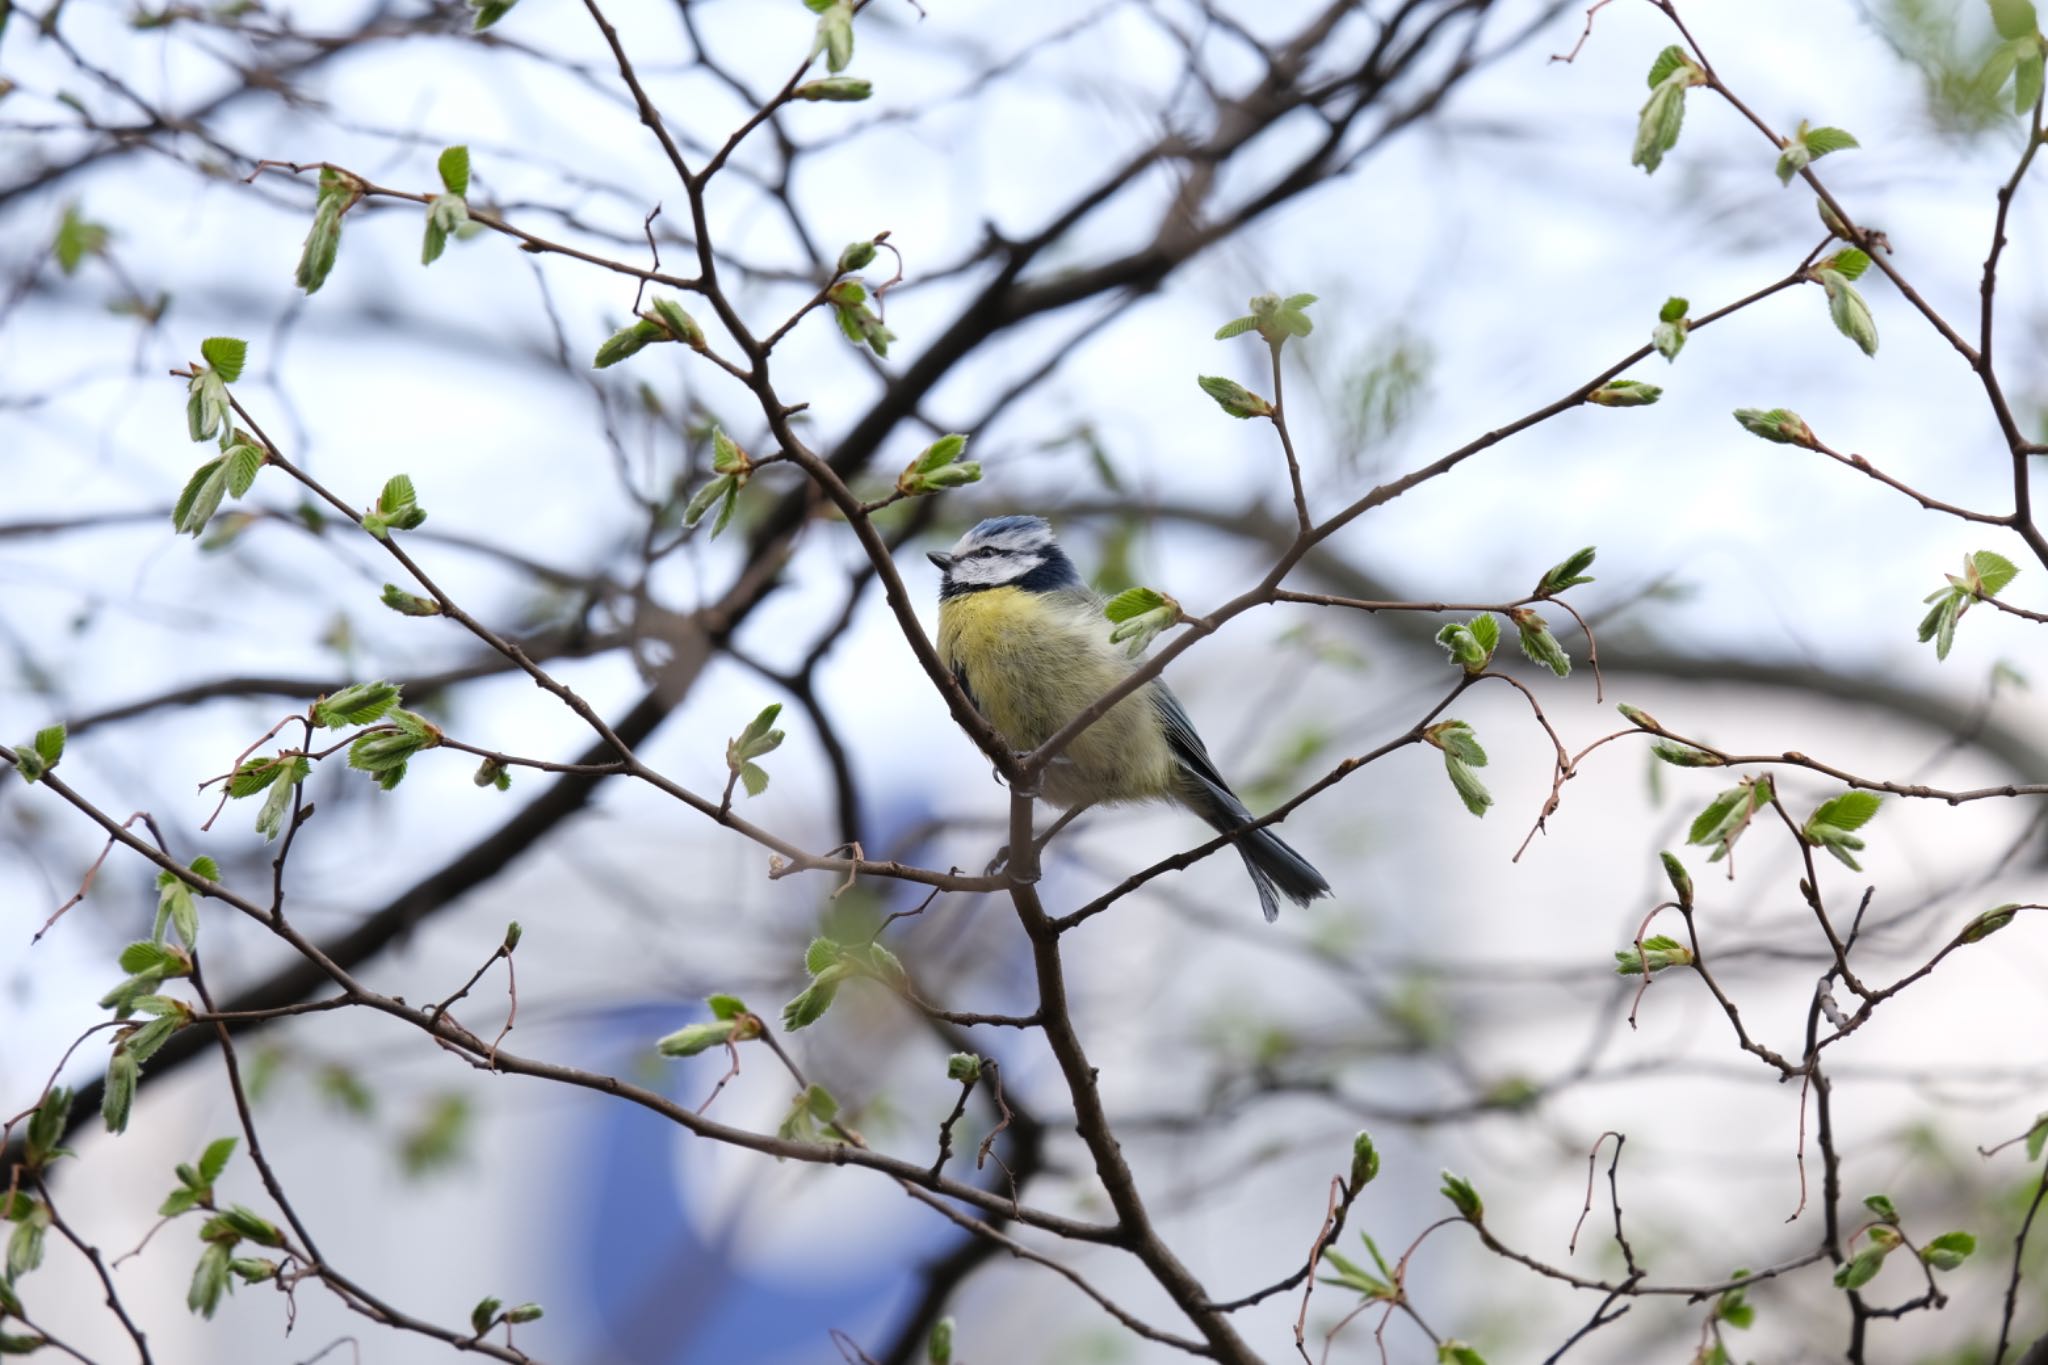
(1276, 869)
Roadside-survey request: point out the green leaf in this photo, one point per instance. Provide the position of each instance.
(255, 774)
(214, 1159)
(754, 778)
(1454, 1352)
(270, 819)
(207, 407)
(1236, 327)
(226, 355)
(810, 1006)
(725, 1006)
(446, 214)
(724, 486)
(1465, 646)
(1351, 1275)
(1949, 1250)
(835, 36)
(1850, 313)
(525, 1312)
(25, 1244)
(1674, 309)
(1568, 573)
(822, 953)
(1234, 398)
(1939, 625)
(1849, 263)
(150, 956)
(49, 745)
(1780, 425)
(397, 508)
(963, 1066)
(938, 1347)
(1991, 572)
(1668, 61)
(484, 1316)
(1727, 816)
(1663, 114)
(885, 965)
(201, 498)
(76, 239)
(940, 453)
(117, 1099)
(1861, 1268)
(2027, 73)
(760, 729)
(357, 704)
(454, 168)
(1470, 789)
(2014, 18)
(1456, 738)
(323, 245)
(1133, 602)
(489, 12)
(1669, 338)
(2037, 1138)
(1140, 615)
(1659, 951)
(242, 463)
(209, 1279)
(1850, 810)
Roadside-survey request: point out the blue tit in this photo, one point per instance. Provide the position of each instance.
(1028, 641)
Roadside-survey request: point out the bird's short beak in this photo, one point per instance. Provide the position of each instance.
(942, 559)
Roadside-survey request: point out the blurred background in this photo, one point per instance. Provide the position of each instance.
(1463, 205)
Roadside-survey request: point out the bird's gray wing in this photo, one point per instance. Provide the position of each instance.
(1188, 748)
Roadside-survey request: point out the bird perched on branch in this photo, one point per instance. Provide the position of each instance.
(1028, 641)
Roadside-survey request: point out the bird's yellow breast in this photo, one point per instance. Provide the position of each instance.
(1035, 660)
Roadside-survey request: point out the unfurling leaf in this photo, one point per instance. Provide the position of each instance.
(1777, 424)
(1625, 393)
(1663, 114)
(1728, 815)
(1365, 1162)
(1850, 313)
(1681, 880)
(1989, 923)
(1657, 953)
(1949, 1250)
(1234, 398)
(1462, 753)
(1568, 573)
(1538, 644)
(1462, 1196)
